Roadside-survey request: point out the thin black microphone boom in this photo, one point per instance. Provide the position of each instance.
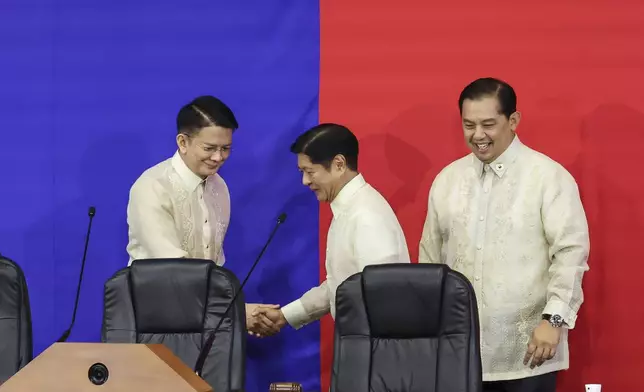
(65, 335)
(201, 359)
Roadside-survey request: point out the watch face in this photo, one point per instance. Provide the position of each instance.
(556, 320)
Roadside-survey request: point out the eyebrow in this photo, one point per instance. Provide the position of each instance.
(215, 145)
(486, 120)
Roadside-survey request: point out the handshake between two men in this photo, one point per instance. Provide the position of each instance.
(264, 320)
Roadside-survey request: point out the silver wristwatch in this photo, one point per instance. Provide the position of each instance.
(555, 320)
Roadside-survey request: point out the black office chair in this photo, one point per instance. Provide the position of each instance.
(178, 302)
(406, 328)
(16, 344)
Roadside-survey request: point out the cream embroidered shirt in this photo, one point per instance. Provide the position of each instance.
(517, 230)
(173, 213)
(364, 230)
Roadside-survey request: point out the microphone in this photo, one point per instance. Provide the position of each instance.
(65, 335)
(201, 359)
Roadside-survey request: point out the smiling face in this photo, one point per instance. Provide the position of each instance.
(205, 151)
(325, 183)
(488, 132)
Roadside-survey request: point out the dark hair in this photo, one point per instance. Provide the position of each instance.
(491, 87)
(323, 142)
(204, 111)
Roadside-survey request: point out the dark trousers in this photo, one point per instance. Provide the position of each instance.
(543, 383)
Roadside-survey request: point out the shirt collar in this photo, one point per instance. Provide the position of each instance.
(343, 199)
(500, 164)
(188, 177)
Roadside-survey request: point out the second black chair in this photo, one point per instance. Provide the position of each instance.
(408, 328)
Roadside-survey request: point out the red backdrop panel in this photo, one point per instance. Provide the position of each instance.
(392, 73)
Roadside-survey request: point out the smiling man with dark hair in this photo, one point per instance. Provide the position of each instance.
(511, 220)
(364, 229)
(180, 208)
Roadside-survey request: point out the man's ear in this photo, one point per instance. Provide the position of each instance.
(515, 119)
(339, 163)
(182, 143)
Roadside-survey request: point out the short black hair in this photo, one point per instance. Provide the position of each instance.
(323, 142)
(491, 87)
(204, 111)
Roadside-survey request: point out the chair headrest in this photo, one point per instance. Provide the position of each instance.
(170, 295)
(402, 300)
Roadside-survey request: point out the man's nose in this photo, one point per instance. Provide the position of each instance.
(217, 156)
(479, 133)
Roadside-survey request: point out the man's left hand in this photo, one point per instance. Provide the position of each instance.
(543, 344)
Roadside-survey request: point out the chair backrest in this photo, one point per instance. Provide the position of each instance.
(16, 345)
(406, 328)
(179, 302)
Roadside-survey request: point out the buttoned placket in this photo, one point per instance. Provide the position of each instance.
(207, 232)
(481, 225)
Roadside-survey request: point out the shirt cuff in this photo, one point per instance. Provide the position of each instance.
(295, 314)
(555, 306)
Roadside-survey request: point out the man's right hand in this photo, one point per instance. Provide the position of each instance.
(269, 316)
(257, 324)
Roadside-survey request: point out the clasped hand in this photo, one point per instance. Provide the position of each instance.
(264, 320)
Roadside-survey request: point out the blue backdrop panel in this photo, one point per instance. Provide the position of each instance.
(89, 97)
